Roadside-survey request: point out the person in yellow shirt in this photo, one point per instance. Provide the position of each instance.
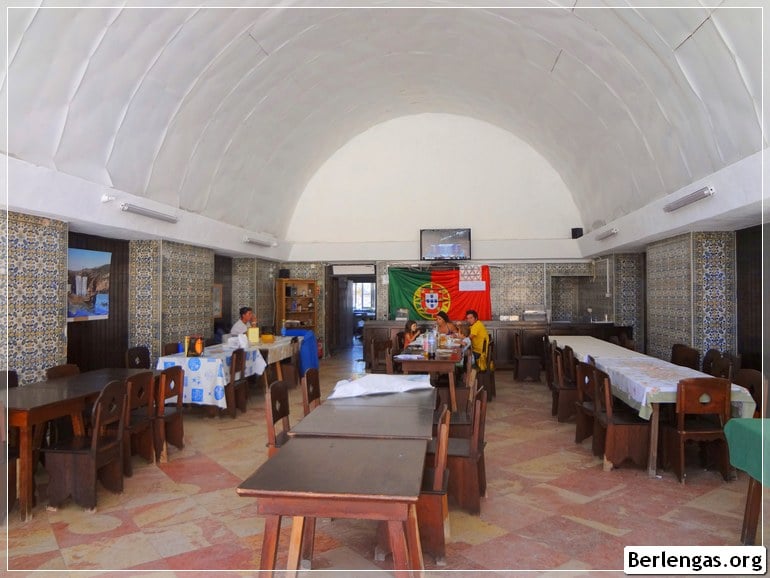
(479, 336)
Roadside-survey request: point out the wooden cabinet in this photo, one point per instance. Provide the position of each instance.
(295, 304)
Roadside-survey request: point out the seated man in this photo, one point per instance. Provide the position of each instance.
(478, 335)
(247, 320)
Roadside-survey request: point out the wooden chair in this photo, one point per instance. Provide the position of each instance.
(290, 366)
(486, 377)
(626, 341)
(684, 355)
(702, 410)
(585, 406)
(277, 410)
(548, 346)
(465, 461)
(170, 348)
(524, 366)
(59, 429)
(378, 352)
(563, 391)
(722, 367)
(311, 390)
(168, 426)
(432, 505)
(708, 359)
(138, 357)
(625, 435)
(74, 466)
(234, 392)
(461, 421)
(752, 380)
(138, 435)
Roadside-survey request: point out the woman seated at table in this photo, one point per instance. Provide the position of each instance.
(411, 332)
(444, 326)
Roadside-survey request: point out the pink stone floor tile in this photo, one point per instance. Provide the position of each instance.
(201, 471)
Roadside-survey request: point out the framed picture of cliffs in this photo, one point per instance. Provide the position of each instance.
(88, 284)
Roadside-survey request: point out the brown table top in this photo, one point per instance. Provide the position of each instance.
(416, 398)
(367, 421)
(53, 391)
(313, 467)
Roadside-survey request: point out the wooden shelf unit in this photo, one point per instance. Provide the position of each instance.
(295, 300)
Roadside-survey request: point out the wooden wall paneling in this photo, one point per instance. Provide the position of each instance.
(748, 256)
(102, 342)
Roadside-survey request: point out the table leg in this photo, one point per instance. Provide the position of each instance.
(452, 392)
(413, 539)
(278, 370)
(26, 473)
(295, 545)
(270, 542)
(399, 548)
(652, 460)
(751, 513)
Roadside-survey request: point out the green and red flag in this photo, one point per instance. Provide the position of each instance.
(424, 293)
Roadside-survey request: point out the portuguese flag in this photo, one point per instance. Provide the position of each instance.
(424, 293)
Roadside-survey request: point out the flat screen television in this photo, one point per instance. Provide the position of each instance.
(445, 244)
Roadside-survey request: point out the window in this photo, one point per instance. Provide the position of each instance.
(364, 296)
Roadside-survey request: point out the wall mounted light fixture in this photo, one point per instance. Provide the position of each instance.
(262, 239)
(145, 212)
(606, 234)
(689, 199)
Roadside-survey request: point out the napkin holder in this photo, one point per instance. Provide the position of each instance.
(193, 345)
(253, 335)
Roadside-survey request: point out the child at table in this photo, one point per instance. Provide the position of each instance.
(411, 332)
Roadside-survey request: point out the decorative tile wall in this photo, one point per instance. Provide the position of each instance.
(714, 291)
(516, 287)
(669, 295)
(187, 274)
(266, 273)
(245, 291)
(593, 292)
(629, 294)
(37, 294)
(144, 296)
(565, 300)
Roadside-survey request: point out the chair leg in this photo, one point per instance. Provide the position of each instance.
(128, 468)
(230, 399)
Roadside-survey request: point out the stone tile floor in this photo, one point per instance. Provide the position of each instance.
(549, 505)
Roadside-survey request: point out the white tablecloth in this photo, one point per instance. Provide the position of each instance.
(279, 349)
(205, 377)
(584, 345)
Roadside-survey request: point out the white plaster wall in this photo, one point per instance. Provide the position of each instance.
(498, 185)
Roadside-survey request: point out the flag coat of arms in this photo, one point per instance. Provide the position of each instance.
(425, 293)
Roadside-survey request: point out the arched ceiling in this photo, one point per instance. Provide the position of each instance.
(229, 112)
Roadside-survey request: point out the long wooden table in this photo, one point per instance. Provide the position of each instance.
(32, 405)
(364, 478)
(646, 382)
(439, 365)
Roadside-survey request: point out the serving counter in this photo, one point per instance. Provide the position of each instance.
(502, 333)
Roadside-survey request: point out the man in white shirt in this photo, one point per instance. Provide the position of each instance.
(246, 321)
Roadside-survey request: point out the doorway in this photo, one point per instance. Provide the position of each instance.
(352, 300)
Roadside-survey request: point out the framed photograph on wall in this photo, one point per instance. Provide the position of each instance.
(216, 295)
(88, 284)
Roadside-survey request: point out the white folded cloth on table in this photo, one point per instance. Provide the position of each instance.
(376, 383)
(408, 356)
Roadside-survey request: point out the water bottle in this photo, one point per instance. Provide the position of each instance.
(425, 346)
(432, 345)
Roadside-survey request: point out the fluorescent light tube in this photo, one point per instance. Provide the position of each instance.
(152, 213)
(607, 234)
(689, 199)
(262, 239)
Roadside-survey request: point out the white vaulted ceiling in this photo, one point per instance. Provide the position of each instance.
(229, 113)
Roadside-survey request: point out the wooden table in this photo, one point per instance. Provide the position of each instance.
(276, 351)
(744, 437)
(439, 365)
(367, 421)
(373, 479)
(32, 405)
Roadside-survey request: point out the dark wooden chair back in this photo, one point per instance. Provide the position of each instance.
(708, 359)
(12, 378)
(585, 381)
(170, 385)
(684, 355)
(440, 457)
(722, 367)
(399, 342)
(702, 396)
(524, 366)
(479, 423)
(311, 390)
(170, 348)
(138, 357)
(379, 350)
(752, 380)
(168, 426)
(277, 412)
(140, 414)
(64, 370)
(569, 365)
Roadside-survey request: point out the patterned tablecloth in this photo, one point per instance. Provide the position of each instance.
(642, 381)
(205, 377)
